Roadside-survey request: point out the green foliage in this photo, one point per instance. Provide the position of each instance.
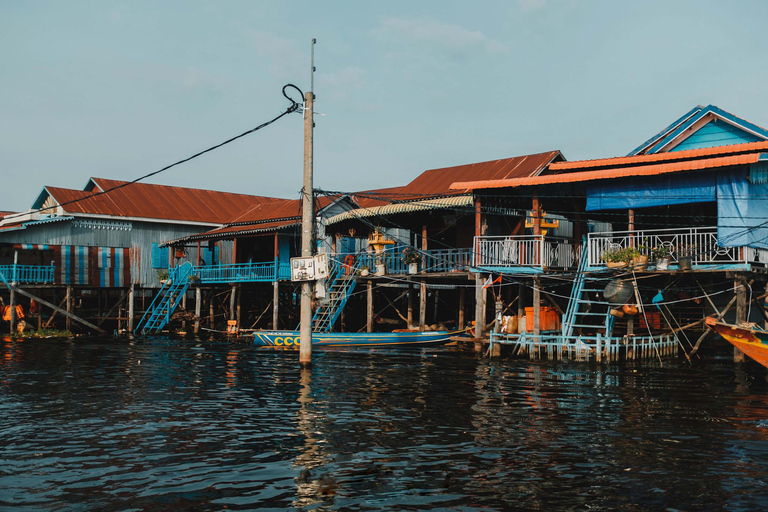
(626, 254)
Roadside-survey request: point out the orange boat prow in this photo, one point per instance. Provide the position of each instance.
(752, 342)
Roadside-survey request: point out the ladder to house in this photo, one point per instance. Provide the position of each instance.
(164, 304)
(342, 284)
(584, 312)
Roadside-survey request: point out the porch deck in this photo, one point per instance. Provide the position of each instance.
(553, 345)
(700, 244)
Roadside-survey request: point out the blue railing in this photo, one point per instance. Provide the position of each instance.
(432, 260)
(243, 272)
(38, 274)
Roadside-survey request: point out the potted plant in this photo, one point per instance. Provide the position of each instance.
(660, 255)
(162, 275)
(412, 258)
(685, 255)
(364, 271)
(622, 257)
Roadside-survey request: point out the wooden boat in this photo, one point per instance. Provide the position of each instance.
(751, 341)
(354, 339)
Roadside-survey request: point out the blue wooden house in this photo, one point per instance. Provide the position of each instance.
(691, 199)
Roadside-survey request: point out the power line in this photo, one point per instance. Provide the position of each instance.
(292, 108)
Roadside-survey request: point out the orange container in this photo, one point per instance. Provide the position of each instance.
(549, 320)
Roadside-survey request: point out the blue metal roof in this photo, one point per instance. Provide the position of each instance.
(664, 138)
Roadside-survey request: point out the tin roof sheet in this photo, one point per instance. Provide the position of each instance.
(144, 200)
(437, 182)
(660, 157)
(621, 172)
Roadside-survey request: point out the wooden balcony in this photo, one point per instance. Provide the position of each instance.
(700, 243)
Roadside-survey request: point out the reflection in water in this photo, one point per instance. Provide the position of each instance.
(166, 424)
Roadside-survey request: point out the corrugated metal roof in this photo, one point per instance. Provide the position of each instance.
(413, 206)
(436, 182)
(660, 157)
(238, 231)
(24, 225)
(621, 172)
(143, 200)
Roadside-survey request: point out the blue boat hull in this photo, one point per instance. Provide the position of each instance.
(352, 339)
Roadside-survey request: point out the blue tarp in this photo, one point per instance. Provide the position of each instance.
(742, 207)
(742, 211)
(654, 191)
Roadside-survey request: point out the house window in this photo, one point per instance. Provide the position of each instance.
(159, 256)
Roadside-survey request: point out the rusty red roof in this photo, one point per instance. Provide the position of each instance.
(143, 200)
(660, 157)
(620, 172)
(438, 182)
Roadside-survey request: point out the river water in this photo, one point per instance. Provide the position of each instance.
(171, 424)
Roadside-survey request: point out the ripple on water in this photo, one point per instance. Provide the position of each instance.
(163, 424)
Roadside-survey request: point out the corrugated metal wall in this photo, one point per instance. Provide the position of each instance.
(138, 237)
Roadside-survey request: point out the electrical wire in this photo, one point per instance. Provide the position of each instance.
(294, 107)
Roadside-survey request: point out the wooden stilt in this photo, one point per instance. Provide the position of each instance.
(369, 308)
(462, 296)
(422, 305)
(131, 306)
(12, 302)
(184, 307)
(741, 313)
(198, 308)
(275, 304)
(411, 291)
(435, 316)
(239, 298)
(536, 308)
(211, 315)
(68, 322)
(232, 299)
(479, 306)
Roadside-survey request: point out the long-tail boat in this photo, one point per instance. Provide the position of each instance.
(753, 341)
(354, 339)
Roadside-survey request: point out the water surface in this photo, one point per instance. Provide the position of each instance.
(170, 424)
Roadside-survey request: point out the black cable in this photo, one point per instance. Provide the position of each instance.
(292, 108)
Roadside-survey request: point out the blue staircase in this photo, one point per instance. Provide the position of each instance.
(164, 304)
(342, 279)
(584, 312)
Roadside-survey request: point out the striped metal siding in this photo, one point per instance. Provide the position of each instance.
(87, 240)
(92, 266)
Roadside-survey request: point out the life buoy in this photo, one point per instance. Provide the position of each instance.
(7, 313)
(349, 262)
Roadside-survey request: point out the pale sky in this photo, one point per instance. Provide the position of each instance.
(120, 89)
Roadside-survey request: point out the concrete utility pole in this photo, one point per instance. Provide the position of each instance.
(307, 223)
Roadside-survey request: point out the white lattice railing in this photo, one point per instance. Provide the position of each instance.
(698, 243)
(524, 251)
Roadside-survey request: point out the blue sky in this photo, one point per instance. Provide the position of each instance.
(120, 89)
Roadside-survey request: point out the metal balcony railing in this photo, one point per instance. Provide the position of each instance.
(699, 243)
(533, 251)
(242, 272)
(432, 260)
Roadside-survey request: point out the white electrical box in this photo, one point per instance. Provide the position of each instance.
(303, 269)
(310, 268)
